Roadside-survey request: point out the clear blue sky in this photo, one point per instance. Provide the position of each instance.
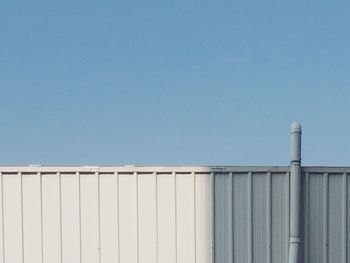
(173, 82)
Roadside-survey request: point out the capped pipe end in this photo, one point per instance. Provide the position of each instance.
(295, 127)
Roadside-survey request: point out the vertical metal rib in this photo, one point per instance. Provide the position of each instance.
(22, 220)
(156, 228)
(268, 219)
(212, 176)
(118, 223)
(137, 218)
(195, 216)
(80, 244)
(307, 217)
(60, 205)
(99, 214)
(175, 200)
(325, 218)
(344, 227)
(2, 217)
(287, 211)
(41, 218)
(230, 217)
(250, 219)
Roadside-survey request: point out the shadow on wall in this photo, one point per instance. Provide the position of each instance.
(252, 215)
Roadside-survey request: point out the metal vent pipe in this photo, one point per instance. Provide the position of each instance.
(295, 194)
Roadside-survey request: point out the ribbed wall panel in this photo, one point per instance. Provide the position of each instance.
(12, 218)
(223, 218)
(70, 198)
(251, 217)
(260, 218)
(279, 217)
(326, 217)
(346, 218)
(105, 217)
(170, 215)
(241, 224)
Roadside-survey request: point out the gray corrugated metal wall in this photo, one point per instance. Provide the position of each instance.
(252, 212)
(326, 216)
(251, 216)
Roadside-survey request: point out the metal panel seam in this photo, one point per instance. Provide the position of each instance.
(307, 216)
(137, 217)
(99, 214)
(230, 216)
(268, 219)
(325, 218)
(60, 207)
(156, 200)
(250, 219)
(80, 234)
(344, 217)
(288, 211)
(212, 175)
(41, 217)
(175, 200)
(22, 223)
(194, 216)
(2, 217)
(118, 223)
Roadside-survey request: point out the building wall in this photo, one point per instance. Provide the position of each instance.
(170, 214)
(326, 216)
(115, 215)
(251, 216)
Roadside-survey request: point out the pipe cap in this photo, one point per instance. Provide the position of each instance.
(295, 127)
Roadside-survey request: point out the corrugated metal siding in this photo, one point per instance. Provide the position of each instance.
(326, 217)
(251, 217)
(121, 216)
(169, 214)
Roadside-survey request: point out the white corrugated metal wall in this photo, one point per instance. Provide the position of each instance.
(142, 216)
